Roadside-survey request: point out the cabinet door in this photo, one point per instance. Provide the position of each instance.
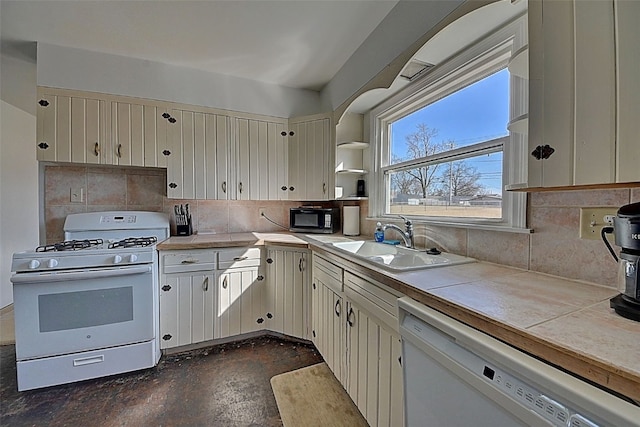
(374, 369)
(278, 161)
(88, 138)
(187, 304)
(288, 298)
(54, 128)
(627, 16)
(127, 130)
(240, 302)
(175, 156)
(310, 157)
(212, 157)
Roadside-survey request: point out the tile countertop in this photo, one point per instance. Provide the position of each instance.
(567, 323)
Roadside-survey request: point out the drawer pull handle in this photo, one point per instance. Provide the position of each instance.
(166, 288)
(96, 149)
(337, 308)
(190, 261)
(300, 265)
(119, 151)
(225, 282)
(205, 284)
(88, 360)
(349, 321)
(224, 186)
(240, 258)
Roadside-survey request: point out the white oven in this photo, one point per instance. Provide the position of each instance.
(89, 306)
(79, 310)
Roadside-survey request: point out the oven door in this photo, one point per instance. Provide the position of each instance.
(69, 311)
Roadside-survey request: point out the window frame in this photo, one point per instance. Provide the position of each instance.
(481, 59)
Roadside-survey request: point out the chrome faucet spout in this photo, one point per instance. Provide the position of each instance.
(407, 235)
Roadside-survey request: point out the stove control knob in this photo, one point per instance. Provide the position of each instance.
(34, 264)
(52, 263)
(117, 259)
(133, 258)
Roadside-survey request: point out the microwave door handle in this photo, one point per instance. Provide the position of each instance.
(58, 276)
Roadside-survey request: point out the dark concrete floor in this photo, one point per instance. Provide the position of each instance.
(225, 385)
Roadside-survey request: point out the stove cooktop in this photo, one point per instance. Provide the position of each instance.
(76, 245)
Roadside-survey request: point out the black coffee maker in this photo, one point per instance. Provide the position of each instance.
(626, 229)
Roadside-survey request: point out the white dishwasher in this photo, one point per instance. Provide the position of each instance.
(455, 375)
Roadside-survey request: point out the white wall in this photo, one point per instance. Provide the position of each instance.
(70, 68)
(18, 190)
(405, 24)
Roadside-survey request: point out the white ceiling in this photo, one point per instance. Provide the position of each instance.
(296, 43)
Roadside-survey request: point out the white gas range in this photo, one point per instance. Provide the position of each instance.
(88, 307)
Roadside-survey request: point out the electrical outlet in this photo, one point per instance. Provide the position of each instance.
(592, 220)
(262, 211)
(77, 195)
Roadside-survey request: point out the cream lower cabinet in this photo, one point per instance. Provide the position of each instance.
(187, 297)
(288, 295)
(354, 327)
(241, 292)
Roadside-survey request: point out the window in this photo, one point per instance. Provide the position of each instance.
(443, 149)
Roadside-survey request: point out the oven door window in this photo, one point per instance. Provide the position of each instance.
(83, 309)
(67, 312)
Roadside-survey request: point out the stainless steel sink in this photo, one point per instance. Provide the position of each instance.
(398, 258)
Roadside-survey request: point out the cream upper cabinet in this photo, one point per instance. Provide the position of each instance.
(311, 155)
(583, 104)
(196, 151)
(127, 131)
(627, 33)
(72, 129)
(260, 158)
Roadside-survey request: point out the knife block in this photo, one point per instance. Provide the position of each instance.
(186, 229)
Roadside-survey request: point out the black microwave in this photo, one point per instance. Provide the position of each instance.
(314, 220)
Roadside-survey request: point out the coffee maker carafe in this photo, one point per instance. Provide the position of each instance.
(626, 229)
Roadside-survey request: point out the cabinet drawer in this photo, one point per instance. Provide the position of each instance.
(378, 302)
(327, 268)
(240, 257)
(186, 261)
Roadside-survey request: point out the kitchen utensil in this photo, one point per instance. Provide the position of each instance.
(626, 229)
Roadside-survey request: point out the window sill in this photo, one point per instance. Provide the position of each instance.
(454, 224)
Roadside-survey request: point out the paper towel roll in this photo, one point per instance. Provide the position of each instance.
(351, 217)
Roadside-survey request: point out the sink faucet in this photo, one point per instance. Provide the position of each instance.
(407, 235)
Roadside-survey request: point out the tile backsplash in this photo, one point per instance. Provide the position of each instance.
(554, 247)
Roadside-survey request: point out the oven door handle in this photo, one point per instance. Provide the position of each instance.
(63, 276)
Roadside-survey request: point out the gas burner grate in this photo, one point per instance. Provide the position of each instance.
(133, 242)
(70, 245)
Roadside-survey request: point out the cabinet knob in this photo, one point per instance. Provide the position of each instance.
(166, 288)
(43, 102)
(172, 120)
(283, 188)
(96, 149)
(173, 185)
(260, 320)
(43, 145)
(166, 152)
(269, 316)
(291, 133)
(166, 115)
(260, 278)
(269, 260)
(166, 337)
(291, 188)
(283, 133)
